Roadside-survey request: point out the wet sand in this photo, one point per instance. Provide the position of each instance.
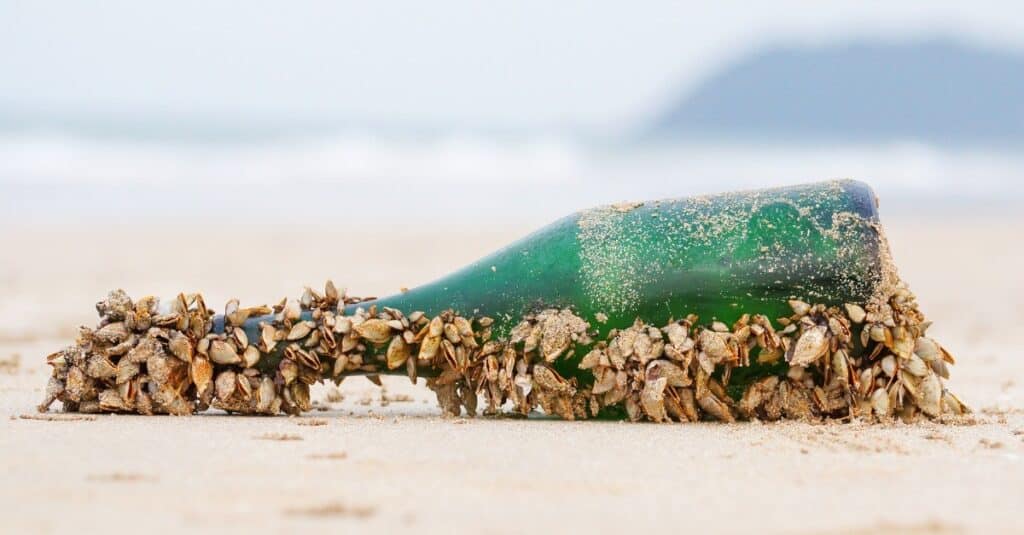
(387, 461)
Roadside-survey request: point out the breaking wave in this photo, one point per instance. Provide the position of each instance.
(50, 175)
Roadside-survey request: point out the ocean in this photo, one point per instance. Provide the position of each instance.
(463, 178)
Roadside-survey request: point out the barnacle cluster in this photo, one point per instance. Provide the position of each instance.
(870, 360)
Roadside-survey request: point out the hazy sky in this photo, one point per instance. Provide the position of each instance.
(523, 63)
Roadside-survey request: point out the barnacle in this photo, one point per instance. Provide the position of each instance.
(863, 360)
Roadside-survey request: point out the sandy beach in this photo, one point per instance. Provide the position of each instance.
(384, 459)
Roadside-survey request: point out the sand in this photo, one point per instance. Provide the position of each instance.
(387, 461)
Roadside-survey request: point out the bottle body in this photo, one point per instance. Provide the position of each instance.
(715, 256)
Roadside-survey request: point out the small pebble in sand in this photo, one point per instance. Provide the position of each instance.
(990, 444)
(334, 395)
(396, 398)
(121, 477)
(333, 509)
(280, 437)
(10, 365)
(332, 456)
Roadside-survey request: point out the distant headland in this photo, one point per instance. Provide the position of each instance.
(938, 91)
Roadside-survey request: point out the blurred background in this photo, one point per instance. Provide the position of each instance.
(340, 139)
(438, 110)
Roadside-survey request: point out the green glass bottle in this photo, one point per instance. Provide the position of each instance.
(666, 310)
(715, 256)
